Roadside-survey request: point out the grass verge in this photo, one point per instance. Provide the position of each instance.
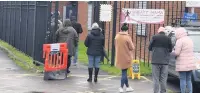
(145, 70)
(26, 62)
(20, 58)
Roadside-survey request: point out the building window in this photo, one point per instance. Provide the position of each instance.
(141, 28)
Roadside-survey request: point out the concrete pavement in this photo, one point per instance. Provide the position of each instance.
(14, 80)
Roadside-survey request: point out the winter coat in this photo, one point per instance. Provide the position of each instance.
(124, 50)
(94, 43)
(68, 34)
(161, 47)
(184, 51)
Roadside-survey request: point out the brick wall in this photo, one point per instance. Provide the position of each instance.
(82, 14)
(83, 17)
(172, 10)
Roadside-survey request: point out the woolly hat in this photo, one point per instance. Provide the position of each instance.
(95, 26)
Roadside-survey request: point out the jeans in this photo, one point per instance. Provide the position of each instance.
(94, 61)
(124, 78)
(75, 56)
(160, 74)
(185, 80)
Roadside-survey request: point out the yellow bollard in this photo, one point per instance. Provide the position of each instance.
(134, 70)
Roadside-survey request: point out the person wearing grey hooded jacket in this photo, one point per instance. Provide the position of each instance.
(69, 35)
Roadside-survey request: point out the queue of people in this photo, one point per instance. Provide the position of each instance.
(160, 46)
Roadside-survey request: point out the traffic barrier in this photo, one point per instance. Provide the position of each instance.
(134, 70)
(55, 56)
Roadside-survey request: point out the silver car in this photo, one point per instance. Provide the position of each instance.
(194, 34)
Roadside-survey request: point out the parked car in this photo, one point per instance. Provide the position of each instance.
(194, 34)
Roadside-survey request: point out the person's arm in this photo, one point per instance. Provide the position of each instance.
(87, 41)
(80, 28)
(151, 44)
(178, 48)
(170, 45)
(75, 38)
(130, 44)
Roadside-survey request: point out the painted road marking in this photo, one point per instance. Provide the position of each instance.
(106, 77)
(152, 82)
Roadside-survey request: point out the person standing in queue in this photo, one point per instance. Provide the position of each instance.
(94, 43)
(77, 26)
(161, 47)
(185, 59)
(124, 55)
(67, 34)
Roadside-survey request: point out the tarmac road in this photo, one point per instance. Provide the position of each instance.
(14, 80)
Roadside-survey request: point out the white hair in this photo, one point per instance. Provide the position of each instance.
(168, 30)
(95, 25)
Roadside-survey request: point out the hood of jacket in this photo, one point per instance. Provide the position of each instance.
(67, 25)
(180, 32)
(96, 32)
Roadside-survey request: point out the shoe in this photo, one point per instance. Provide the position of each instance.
(90, 70)
(68, 71)
(96, 74)
(121, 90)
(129, 89)
(74, 64)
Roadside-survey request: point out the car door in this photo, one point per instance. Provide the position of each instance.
(172, 65)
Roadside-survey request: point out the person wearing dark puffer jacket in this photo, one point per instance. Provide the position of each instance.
(94, 43)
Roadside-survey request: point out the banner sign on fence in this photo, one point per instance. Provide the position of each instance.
(142, 16)
(192, 3)
(105, 12)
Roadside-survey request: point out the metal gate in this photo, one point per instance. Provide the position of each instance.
(24, 25)
(140, 33)
(27, 25)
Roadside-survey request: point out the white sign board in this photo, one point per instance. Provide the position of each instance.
(142, 16)
(105, 12)
(192, 3)
(55, 47)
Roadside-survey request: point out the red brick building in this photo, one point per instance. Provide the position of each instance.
(82, 14)
(141, 34)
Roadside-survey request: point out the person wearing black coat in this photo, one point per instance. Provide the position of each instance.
(77, 26)
(94, 43)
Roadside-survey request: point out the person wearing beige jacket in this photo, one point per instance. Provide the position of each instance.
(124, 54)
